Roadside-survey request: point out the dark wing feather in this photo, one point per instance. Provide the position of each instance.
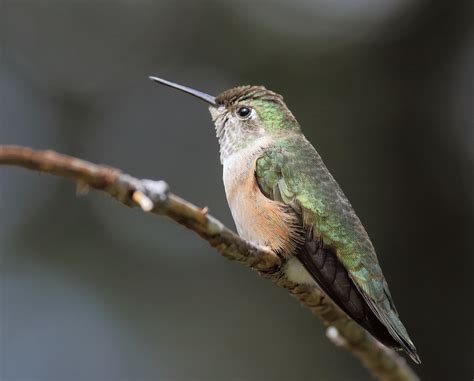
(332, 277)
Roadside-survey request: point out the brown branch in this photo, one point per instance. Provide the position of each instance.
(154, 197)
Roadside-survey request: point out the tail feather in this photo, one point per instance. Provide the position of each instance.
(389, 318)
(400, 334)
(380, 318)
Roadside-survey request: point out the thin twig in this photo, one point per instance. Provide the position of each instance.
(154, 197)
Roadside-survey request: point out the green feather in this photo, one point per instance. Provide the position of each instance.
(293, 172)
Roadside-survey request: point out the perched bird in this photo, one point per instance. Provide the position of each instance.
(282, 196)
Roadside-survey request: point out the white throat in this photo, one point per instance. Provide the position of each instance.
(241, 160)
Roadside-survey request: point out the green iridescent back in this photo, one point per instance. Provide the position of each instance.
(292, 171)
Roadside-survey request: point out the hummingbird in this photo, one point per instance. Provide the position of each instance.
(282, 196)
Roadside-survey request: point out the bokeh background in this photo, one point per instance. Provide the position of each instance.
(91, 290)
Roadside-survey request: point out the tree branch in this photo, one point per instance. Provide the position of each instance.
(154, 197)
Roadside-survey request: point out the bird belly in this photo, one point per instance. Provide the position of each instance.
(295, 271)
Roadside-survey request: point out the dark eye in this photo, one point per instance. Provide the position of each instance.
(244, 112)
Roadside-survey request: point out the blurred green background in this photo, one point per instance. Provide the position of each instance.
(91, 290)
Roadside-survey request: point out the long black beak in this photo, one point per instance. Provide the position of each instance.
(198, 94)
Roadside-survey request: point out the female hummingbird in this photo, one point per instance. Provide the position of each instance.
(282, 196)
